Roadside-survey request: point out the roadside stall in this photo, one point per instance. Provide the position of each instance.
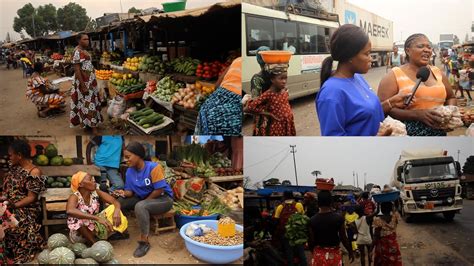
(170, 66)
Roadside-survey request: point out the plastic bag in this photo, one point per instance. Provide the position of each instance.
(470, 131)
(116, 107)
(451, 117)
(397, 127)
(109, 214)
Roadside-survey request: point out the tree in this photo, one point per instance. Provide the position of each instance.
(316, 173)
(30, 21)
(134, 10)
(72, 17)
(48, 17)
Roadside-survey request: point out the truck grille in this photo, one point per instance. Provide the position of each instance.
(430, 194)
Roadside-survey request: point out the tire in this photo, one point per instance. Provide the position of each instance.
(406, 217)
(379, 61)
(449, 216)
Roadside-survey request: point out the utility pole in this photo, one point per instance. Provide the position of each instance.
(458, 154)
(353, 178)
(121, 9)
(357, 179)
(294, 161)
(33, 20)
(365, 180)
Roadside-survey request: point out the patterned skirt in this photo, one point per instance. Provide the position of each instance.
(326, 256)
(85, 109)
(220, 114)
(418, 128)
(387, 251)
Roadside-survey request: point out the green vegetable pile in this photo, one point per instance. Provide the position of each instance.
(219, 160)
(146, 117)
(297, 229)
(101, 229)
(213, 207)
(166, 88)
(185, 65)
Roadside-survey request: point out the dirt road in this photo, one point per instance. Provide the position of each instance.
(18, 114)
(305, 115)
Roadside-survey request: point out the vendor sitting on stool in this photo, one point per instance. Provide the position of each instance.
(41, 93)
(146, 192)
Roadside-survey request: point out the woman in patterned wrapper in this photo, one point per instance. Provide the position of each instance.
(85, 102)
(273, 105)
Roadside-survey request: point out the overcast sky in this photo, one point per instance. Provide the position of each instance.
(95, 9)
(431, 17)
(339, 157)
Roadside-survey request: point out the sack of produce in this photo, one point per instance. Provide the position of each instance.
(451, 117)
(116, 107)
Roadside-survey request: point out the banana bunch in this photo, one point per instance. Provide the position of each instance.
(185, 65)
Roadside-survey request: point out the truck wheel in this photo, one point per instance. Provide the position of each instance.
(449, 216)
(379, 61)
(406, 217)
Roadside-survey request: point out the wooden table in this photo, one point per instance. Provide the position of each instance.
(53, 200)
(217, 179)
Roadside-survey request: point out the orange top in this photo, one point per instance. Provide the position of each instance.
(233, 78)
(427, 97)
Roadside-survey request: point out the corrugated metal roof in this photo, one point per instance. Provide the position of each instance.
(195, 12)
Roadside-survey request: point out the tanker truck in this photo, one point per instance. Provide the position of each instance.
(428, 181)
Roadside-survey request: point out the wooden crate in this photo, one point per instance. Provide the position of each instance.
(53, 200)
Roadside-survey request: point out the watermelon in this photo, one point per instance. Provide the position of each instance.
(42, 160)
(57, 161)
(101, 251)
(51, 151)
(61, 255)
(57, 240)
(50, 180)
(43, 257)
(77, 248)
(68, 162)
(61, 179)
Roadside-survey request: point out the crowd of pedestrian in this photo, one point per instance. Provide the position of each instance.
(352, 225)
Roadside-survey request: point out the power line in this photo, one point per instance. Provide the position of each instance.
(274, 168)
(271, 157)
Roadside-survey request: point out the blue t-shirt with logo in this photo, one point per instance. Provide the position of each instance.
(143, 182)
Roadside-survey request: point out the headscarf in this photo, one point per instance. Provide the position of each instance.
(276, 69)
(259, 56)
(76, 180)
(137, 149)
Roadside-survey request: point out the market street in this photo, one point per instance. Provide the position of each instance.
(19, 113)
(304, 111)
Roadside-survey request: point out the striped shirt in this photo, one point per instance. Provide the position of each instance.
(427, 97)
(233, 78)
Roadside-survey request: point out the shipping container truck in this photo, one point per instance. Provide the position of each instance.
(379, 29)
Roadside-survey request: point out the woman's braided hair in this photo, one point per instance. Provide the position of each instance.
(410, 41)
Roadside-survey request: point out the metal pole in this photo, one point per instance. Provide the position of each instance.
(294, 161)
(121, 9)
(34, 30)
(458, 154)
(353, 178)
(357, 179)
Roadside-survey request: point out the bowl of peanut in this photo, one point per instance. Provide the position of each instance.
(211, 247)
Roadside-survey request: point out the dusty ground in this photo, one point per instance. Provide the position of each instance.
(18, 114)
(166, 248)
(306, 119)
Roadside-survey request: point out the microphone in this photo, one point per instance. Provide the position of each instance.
(421, 76)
